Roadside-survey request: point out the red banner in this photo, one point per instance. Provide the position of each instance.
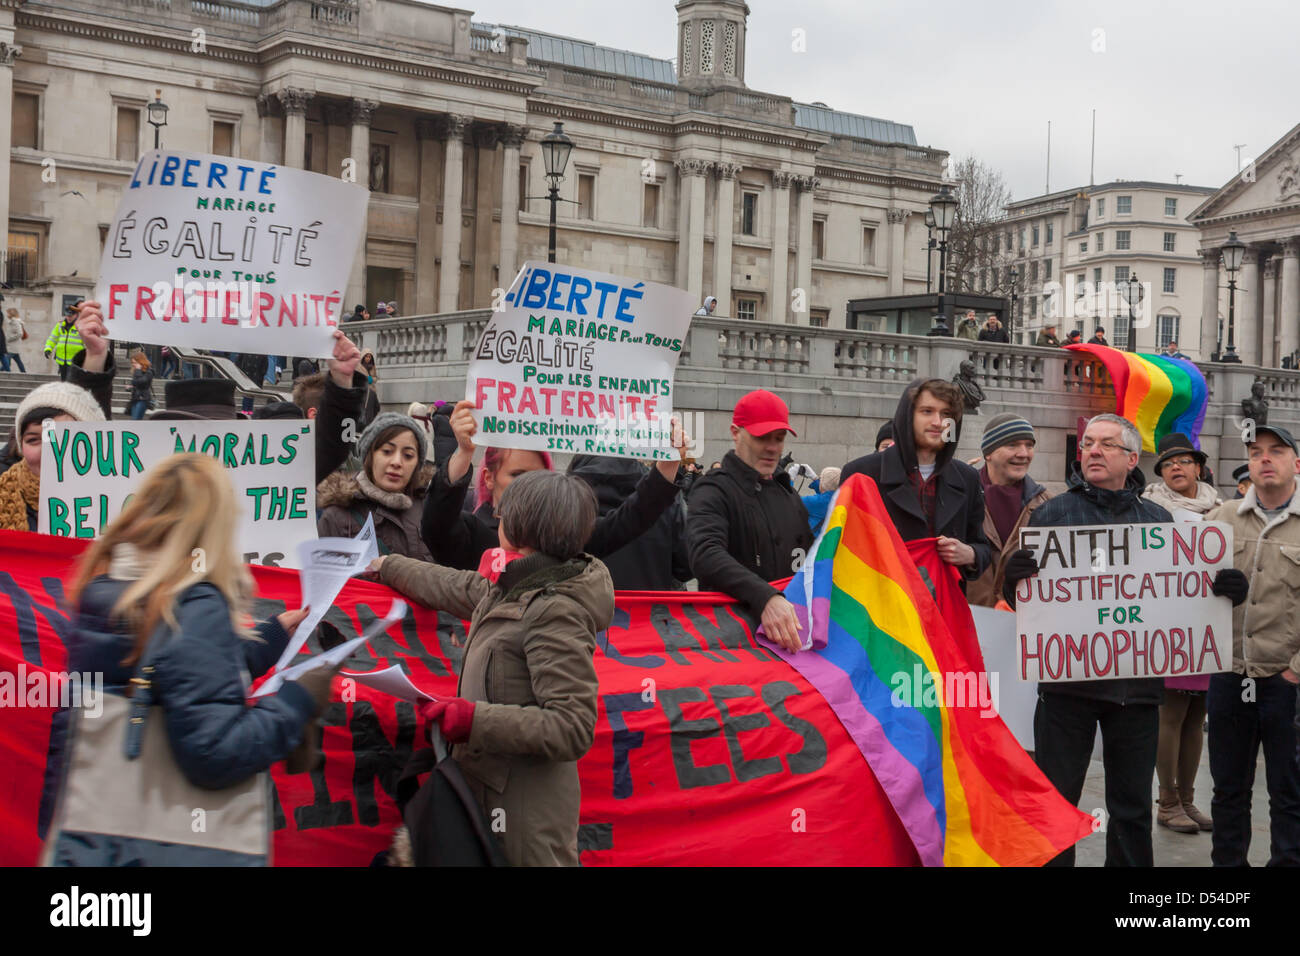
(708, 749)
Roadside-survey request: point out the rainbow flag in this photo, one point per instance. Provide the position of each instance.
(964, 789)
(1156, 393)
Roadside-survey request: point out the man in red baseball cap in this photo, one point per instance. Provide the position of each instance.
(746, 525)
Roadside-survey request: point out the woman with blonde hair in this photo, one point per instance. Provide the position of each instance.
(162, 602)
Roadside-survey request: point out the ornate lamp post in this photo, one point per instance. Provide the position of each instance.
(1233, 251)
(157, 111)
(1134, 294)
(555, 156)
(1013, 274)
(944, 209)
(929, 246)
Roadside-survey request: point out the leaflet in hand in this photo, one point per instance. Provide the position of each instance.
(335, 655)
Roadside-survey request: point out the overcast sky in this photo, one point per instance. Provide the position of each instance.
(1175, 84)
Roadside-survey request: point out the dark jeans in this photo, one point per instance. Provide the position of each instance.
(64, 372)
(1064, 730)
(169, 365)
(138, 408)
(1237, 729)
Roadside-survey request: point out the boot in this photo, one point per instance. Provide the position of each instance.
(1170, 813)
(1185, 796)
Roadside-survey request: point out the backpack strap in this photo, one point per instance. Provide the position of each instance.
(142, 696)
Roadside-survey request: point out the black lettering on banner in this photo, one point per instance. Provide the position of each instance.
(595, 836)
(812, 755)
(322, 812)
(382, 645)
(675, 638)
(375, 760)
(733, 725)
(624, 740)
(684, 732)
(449, 627)
(25, 614)
(724, 632)
(621, 621)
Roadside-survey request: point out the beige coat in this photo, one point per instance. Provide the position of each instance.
(528, 667)
(986, 590)
(1265, 639)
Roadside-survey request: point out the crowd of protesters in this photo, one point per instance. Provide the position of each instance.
(532, 556)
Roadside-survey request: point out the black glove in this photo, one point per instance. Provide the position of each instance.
(1019, 566)
(1232, 584)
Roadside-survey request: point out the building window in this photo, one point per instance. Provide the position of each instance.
(523, 187)
(1123, 238)
(1096, 276)
(21, 259)
(25, 128)
(706, 46)
(650, 206)
(1101, 208)
(1119, 334)
(729, 48)
(749, 214)
(1083, 247)
(1123, 205)
(746, 308)
(687, 49)
(379, 167)
(1009, 241)
(1033, 308)
(1169, 241)
(586, 196)
(995, 242)
(223, 139)
(819, 318)
(1049, 234)
(1035, 236)
(1121, 274)
(819, 238)
(868, 245)
(1166, 329)
(128, 133)
(1033, 271)
(1047, 270)
(1101, 242)
(1022, 237)
(1171, 209)
(1169, 279)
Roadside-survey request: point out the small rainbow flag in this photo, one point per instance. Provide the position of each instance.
(964, 789)
(1156, 393)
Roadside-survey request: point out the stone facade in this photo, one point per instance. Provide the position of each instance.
(784, 211)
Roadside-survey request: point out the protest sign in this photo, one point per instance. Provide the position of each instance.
(89, 471)
(230, 254)
(580, 362)
(1128, 600)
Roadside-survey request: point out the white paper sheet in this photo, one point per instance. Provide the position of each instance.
(335, 655)
(325, 565)
(367, 534)
(391, 680)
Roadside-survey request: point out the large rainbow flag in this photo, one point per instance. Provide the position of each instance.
(1157, 393)
(964, 789)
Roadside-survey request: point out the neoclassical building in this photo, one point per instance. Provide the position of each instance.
(1262, 206)
(679, 174)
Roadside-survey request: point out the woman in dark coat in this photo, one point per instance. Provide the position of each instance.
(141, 385)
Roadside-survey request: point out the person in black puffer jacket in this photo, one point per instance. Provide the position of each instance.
(141, 385)
(655, 561)
(1105, 488)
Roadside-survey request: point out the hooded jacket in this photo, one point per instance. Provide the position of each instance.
(528, 668)
(346, 500)
(959, 497)
(745, 531)
(986, 591)
(658, 559)
(1085, 504)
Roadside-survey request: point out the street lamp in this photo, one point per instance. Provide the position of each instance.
(943, 207)
(1233, 251)
(1013, 274)
(929, 246)
(1134, 293)
(157, 111)
(555, 156)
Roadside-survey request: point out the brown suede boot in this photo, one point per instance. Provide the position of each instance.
(1170, 813)
(1193, 814)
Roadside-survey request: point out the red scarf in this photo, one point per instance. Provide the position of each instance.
(494, 561)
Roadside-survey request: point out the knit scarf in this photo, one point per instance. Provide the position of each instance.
(1206, 497)
(20, 489)
(390, 499)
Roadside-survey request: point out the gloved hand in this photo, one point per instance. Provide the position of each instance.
(1019, 566)
(1232, 584)
(454, 716)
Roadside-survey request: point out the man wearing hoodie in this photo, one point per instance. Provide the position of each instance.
(710, 303)
(1010, 497)
(927, 493)
(1104, 489)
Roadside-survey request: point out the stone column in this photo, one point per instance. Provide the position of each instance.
(803, 246)
(295, 103)
(779, 295)
(683, 221)
(897, 248)
(360, 112)
(512, 137)
(695, 171)
(1209, 302)
(722, 236)
(454, 127)
(8, 53)
(1288, 316)
(426, 224)
(1246, 318)
(269, 138)
(1268, 344)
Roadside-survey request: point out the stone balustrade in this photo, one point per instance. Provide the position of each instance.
(842, 384)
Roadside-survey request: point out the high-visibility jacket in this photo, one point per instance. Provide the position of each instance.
(64, 343)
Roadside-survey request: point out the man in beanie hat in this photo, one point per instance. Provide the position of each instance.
(745, 523)
(20, 483)
(1010, 497)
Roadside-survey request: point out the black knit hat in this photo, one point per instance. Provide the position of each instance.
(276, 410)
(1176, 443)
(886, 431)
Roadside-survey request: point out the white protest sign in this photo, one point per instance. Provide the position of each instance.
(582, 362)
(230, 254)
(89, 471)
(1128, 600)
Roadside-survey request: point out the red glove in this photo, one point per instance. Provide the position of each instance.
(454, 716)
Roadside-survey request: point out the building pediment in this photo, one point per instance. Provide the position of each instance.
(1271, 181)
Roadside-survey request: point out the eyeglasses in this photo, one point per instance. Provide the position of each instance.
(1181, 462)
(1088, 444)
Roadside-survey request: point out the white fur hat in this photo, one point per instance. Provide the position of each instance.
(64, 396)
